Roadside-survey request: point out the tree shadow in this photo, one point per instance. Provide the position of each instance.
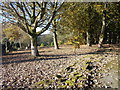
(27, 52)
(30, 58)
(102, 51)
(21, 57)
(17, 53)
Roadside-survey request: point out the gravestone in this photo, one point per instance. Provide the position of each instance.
(3, 49)
(8, 46)
(17, 45)
(0, 49)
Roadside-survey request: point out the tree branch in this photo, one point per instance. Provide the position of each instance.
(43, 10)
(47, 26)
(26, 10)
(15, 10)
(50, 20)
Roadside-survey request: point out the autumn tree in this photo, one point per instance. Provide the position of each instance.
(30, 15)
(72, 21)
(80, 20)
(91, 23)
(12, 32)
(111, 22)
(109, 11)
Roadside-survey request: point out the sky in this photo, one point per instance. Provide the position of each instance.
(46, 32)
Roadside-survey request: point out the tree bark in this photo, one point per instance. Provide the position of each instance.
(88, 33)
(34, 50)
(102, 33)
(55, 40)
(110, 38)
(105, 37)
(114, 38)
(55, 35)
(118, 37)
(20, 44)
(88, 38)
(101, 37)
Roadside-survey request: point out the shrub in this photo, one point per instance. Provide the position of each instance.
(60, 42)
(52, 44)
(42, 45)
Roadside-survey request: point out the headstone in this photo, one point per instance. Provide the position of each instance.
(3, 49)
(26, 48)
(17, 45)
(0, 49)
(8, 46)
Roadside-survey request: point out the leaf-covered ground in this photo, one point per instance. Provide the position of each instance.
(66, 67)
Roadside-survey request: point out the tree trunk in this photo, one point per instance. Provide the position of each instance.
(34, 50)
(118, 37)
(20, 44)
(55, 40)
(88, 33)
(110, 38)
(101, 37)
(88, 38)
(105, 37)
(102, 34)
(114, 38)
(55, 35)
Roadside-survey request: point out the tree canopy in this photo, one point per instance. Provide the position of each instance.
(82, 22)
(30, 15)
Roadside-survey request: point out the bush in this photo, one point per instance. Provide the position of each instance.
(52, 44)
(42, 45)
(60, 42)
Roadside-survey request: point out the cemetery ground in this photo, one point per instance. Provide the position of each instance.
(63, 68)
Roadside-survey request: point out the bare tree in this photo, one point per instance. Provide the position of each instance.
(30, 15)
